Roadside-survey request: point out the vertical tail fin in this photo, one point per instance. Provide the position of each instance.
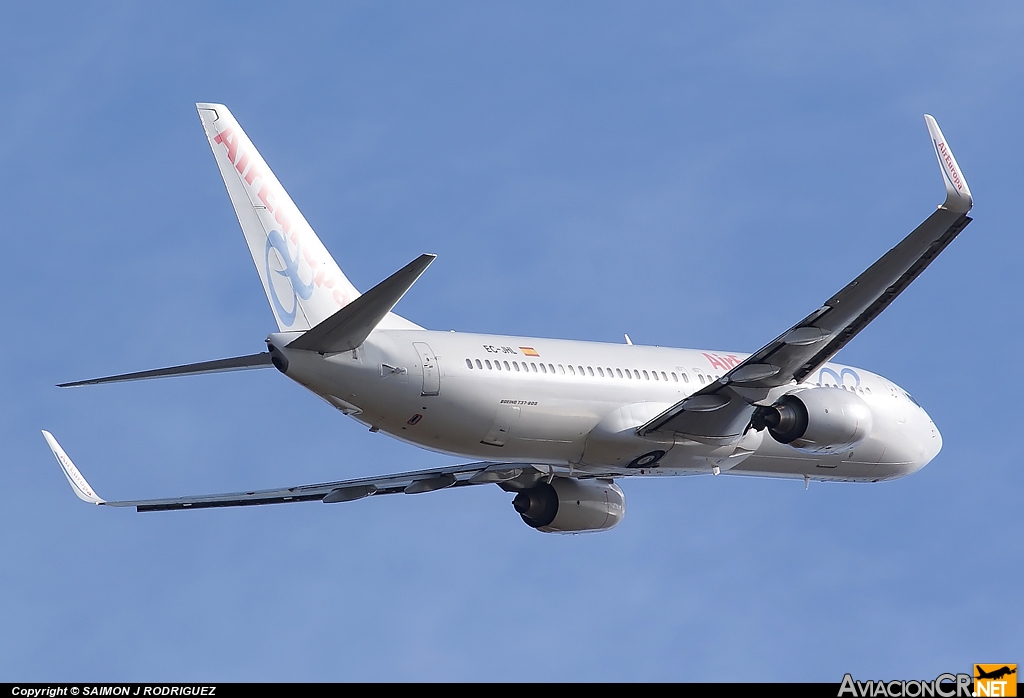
(303, 283)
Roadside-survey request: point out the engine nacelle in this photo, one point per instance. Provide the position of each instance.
(817, 420)
(568, 505)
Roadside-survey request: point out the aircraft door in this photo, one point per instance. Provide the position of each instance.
(431, 373)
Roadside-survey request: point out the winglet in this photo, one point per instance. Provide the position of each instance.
(958, 195)
(78, 483)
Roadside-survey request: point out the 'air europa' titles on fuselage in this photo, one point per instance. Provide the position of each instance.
(722, 363)
(288, 217)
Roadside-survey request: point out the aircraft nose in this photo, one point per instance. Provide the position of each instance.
(934, 442)
(928, 441)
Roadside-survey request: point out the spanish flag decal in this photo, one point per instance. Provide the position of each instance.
(529, 351)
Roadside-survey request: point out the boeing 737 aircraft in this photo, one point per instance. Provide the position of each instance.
(556, 422)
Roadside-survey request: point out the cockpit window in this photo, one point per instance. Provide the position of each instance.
(911, 398)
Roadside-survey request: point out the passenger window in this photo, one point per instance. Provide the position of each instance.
(663, 376)
(581, 370)
(487, 361)
(515, 365)
(478, 364)
(572, 371)
(561, 370)
(618, 372)
(655, 374)
(506, 366)
(686, 378)
(675, 378)
(646, 377)
(701, 378)
(469, 363)
(543, 368)
(609, 372)
(867, 390)
(600, 372)
(590, 370)
(551, 367)
(533, 367)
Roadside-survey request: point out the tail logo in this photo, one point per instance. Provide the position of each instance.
(291, 228)
(298, 289)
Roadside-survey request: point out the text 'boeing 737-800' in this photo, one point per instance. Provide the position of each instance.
(556, 422)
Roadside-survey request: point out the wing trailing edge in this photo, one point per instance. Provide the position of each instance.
(508, 475)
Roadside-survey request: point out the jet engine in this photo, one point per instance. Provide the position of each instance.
(567, 505)
(816, 420)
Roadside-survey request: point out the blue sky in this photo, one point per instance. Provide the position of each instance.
(693, 176)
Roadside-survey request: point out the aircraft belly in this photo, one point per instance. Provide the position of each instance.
(814, 468)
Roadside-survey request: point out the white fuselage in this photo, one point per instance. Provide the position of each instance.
(577, 404)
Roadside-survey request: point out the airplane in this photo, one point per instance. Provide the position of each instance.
(996, 673)
(556, 422)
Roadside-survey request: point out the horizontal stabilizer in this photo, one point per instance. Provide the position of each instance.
(237, 363)
(78, 483)
(350, 326)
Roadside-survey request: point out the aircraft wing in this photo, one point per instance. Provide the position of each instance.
(721, 411)
(328, 492)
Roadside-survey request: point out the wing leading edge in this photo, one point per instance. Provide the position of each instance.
(721, 411)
